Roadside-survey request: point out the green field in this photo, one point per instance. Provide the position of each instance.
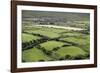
(45, 31)
(54, 36)
(28, 37)
(60, 44)
(71, 50)
(34, 54)
(49, 45)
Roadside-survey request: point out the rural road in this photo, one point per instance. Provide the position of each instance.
(54, 26)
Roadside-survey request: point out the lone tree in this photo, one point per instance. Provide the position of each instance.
(41, 60)
(79, 57)
(56, 48)
(68, 57)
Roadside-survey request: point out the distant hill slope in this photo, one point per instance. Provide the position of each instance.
(69, 16)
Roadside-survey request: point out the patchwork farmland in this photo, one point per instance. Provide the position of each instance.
(52, 36)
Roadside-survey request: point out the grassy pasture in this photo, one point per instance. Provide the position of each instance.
(49, 32)
(70, 50)
(77, 40)
(34, 55)
(55, 36)
(49, 45)
(28, 37)
(82, 41)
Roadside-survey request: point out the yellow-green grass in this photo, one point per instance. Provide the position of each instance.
(72, 34)
(28, 37)
(49, 32)
(33, 55)
(55, 30)
(49, 45)
(82, 43)
(79, 40)
(33, 28)
(70, 50)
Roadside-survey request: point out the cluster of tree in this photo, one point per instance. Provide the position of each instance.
(56, 48)
(35, 34)
(47, 52)
(41, 60)
(56, 56)
(69, 57)
(31, 44)
(23, 60)
(78, 57)
(84, 32)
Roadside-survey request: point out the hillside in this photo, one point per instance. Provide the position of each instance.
(65, 15)
(67, 19)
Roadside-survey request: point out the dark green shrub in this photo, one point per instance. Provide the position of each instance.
(41, 60)
(68, 57)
